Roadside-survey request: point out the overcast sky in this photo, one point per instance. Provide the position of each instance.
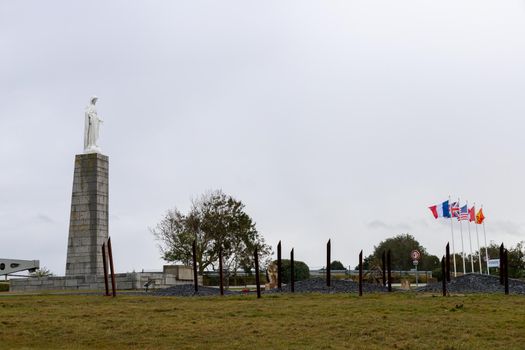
(328, 119)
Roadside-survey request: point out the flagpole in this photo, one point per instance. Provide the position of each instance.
(486, 249)
(477, 236)
(470, 242)
(462, 246)
(452, 230)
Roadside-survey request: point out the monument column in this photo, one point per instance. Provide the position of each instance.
(88, 225)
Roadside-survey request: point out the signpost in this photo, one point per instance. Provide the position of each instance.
(415, 255)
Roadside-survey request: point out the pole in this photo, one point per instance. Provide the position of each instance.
(452, 230)
(506, 274)
(257, 282)
(328, 269)
(501, 263)
(279, 266)
(462, 246)
(361, 273)
(221, 276)
(292, 273)
(110, 253)
(477, 237)
(447, 262)
(105, 265)
(470, 242)
(195, 279)
(486, 248)
(383, 263)
(443, 277)
(389, 268)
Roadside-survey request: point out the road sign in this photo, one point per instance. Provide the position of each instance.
(415, 255)
(493, 262)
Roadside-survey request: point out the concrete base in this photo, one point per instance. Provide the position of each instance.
(123, 281)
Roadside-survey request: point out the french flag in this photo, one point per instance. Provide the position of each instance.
(440, 210)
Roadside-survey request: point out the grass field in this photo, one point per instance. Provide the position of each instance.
(313, 321)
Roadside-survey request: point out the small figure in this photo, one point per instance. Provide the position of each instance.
(91, 130)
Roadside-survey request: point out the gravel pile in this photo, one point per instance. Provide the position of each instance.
(318, 285)
(476, 283)
(188, 290)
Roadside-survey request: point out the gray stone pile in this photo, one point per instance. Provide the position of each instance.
(188, 290)
(318, 285)
(476, 283)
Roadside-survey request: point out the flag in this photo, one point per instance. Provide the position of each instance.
(463, 213)
(454, 210)
(440, 210)
(472, 214)
(480, 217)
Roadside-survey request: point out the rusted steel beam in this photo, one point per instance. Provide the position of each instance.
(383, 267)
(105, 266)
(328, 261)
(257, 282)
(361, 273)
(221, 276)
(110, 254)
(389, 269)
(292, 273)
(279, 267)
(443, 276)
(506, 274)
(447, 262)
(195, 276)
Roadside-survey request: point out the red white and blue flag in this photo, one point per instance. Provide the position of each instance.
(441, 210)
(454, 210)
(463, 213)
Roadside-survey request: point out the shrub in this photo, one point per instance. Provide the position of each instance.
(302, 271)
(4, 287)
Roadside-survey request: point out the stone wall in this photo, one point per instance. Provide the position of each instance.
(123, 281)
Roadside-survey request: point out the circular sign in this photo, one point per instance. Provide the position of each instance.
(415, 255)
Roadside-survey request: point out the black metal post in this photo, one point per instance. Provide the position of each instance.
(361, 273)
(506, 277)
(383, 267)
(279, 267)
(328, 269)
(444, 276)
(447, 262)
(110, 253)
(257, 282)
(195, 276)
(501, 264)
(389, 269)
(292, 272)
(105, 265)
(221, 276)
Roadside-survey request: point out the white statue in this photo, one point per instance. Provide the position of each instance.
(92, 125)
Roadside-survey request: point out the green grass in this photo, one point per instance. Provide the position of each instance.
(395, 321)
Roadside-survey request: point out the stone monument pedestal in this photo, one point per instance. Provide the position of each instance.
(88, 225)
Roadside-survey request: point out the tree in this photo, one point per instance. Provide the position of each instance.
(337, 265)
(516, 259)
(401, 246)
(214, 220)
(41, 272)
(301, 270)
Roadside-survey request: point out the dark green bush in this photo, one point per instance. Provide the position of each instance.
(302, 271)
(4, 287)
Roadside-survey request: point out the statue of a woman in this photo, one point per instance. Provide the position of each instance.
(92, 125)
